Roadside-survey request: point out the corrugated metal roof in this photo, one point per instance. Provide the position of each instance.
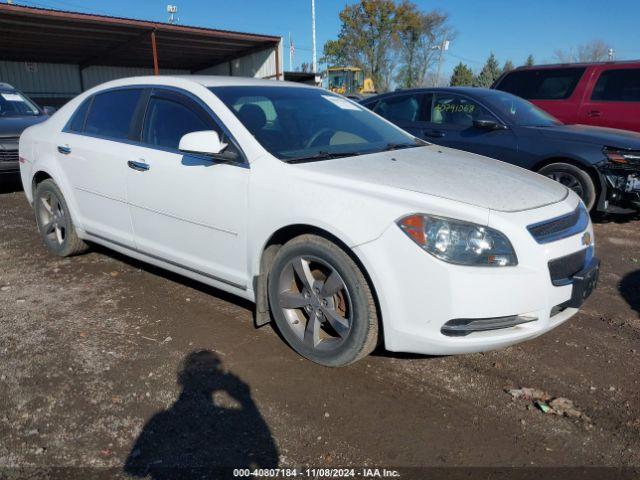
(58, 36)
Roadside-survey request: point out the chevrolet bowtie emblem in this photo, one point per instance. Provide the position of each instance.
(586, 239)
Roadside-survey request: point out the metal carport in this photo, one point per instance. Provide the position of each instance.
(54, 54)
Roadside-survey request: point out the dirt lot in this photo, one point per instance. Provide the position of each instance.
(109, 363)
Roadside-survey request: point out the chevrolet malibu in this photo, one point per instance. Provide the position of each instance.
(342, 228)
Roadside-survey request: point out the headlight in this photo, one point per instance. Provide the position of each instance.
(459, 242)
(622, 157)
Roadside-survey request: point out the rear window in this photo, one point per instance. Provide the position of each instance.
(618, 86)
(543, 84)
(112, 113)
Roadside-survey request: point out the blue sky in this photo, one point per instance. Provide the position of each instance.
(511, 29)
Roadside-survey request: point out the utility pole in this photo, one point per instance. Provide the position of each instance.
(313, 35)
(290, 54)
(443, 47)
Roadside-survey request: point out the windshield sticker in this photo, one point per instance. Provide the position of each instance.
(341, 102)
(12, 97)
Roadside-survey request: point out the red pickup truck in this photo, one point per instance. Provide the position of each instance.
(602, 94)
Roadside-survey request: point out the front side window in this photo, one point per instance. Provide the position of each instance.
(517, 111)
(112, 113)
(14, 104)
(621, 85)
(448, 109)
(542, 84)
(296, 123)
(166, 121)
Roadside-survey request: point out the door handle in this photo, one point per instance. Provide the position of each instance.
(594, 113)
(434, 133)
(64, 149)
(139, 166)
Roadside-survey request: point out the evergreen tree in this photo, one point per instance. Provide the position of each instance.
(462, 76)
(489, 73)
(529, 61)
(508, 66)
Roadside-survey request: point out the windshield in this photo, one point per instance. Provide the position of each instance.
(14, 104)
(519, 112)
(298, 123)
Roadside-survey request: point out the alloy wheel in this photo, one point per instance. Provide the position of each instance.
(568, 180)
(316, 302)
(53, 218)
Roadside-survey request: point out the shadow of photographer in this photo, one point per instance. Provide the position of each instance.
(212, 427)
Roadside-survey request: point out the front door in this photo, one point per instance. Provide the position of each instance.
(187, 209)
(452, 125)
(614, 101)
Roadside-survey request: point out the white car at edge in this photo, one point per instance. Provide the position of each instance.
(341, 227)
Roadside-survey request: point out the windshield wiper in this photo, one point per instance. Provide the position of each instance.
(322, 155)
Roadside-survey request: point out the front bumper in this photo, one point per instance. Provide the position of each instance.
(622, 186)
(419, 294)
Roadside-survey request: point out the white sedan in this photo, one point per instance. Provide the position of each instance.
(344, 229)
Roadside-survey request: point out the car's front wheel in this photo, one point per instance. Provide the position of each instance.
(574, 178)
(54, 221)
(321, 302)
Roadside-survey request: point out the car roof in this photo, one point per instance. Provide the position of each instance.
(472, 91)
(204, 80)
(578, 65)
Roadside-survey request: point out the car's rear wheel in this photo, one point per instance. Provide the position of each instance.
(321, 302)
(54, 221)
(574, 178)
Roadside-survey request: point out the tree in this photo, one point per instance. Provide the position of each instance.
(334, 53)
(593, 51)
(530, 61)
(489, 73)
(418, 33)
(508, 66)
(366, 39)
(462, 76)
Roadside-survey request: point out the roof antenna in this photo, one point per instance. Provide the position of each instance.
(172, 10)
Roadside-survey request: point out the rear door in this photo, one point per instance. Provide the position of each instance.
(452, 125)
(614, 99)
(93, 150)
(558, 91)
(406, 110)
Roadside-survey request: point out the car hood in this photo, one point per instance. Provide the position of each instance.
(610, 137)
(448, 173)
(14, 126)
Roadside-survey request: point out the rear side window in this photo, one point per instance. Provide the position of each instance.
(112, 113)
(400, 108)
(167, 121)
(618, 86)
(77, 121)
(543, 84)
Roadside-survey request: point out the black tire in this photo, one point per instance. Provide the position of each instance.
(574, 178)
(352, 304)
(54, 221)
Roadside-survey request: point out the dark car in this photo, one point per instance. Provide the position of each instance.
(17, 112)
(602, 165)
(602, 94)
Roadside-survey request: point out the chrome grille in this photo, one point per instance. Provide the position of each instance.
(560, 227)
(8, 155)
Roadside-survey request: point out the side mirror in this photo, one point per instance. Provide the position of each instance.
(488, 124)
(206, 142)
(48, 110)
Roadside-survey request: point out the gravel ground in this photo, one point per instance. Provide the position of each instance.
(110, 364)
